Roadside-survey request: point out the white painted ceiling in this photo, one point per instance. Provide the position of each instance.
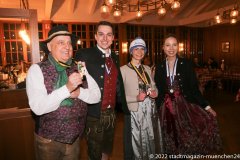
(197, 13)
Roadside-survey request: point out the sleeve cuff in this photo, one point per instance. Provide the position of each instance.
(63, 92)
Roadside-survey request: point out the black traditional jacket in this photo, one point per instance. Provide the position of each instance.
(95, 64)
(187, 80)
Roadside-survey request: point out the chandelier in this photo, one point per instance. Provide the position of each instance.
(116, 7)
(230, 15)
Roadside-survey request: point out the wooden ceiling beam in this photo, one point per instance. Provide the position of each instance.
(71, 6)
(92, 8)
(201, 17)
(48, 8)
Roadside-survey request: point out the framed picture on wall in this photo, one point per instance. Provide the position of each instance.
(225, 47)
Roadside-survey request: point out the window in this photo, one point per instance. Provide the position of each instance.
(80, 31)
(92, 29)
(13, 43)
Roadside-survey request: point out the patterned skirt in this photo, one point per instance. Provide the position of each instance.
(146, 133)
(187, 128)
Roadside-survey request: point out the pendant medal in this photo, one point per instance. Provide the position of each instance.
(171, 75)
(148, 89)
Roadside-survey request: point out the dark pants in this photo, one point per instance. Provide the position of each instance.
(99, 134)
(46, 149)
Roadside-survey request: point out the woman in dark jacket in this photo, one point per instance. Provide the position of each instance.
(188, 122)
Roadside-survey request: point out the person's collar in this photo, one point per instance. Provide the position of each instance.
(104, 52)
(67, 64)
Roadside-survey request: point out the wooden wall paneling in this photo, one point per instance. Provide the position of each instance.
(235, 45)
(16, 136)
(226, 36)
(213, 38)
(13, 98)
(211, 44)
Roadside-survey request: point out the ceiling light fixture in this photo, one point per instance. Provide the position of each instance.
(230, 15)
(117, 13)
(139, 13)
(104, 8)
(117, 7)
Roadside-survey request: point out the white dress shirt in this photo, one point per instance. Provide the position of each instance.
(41, 102)
(107, 54)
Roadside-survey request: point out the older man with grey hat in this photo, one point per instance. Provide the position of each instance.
(57, 96)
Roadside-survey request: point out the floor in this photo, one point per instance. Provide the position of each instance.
(228, 117)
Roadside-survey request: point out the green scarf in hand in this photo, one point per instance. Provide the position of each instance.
(62, 77)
